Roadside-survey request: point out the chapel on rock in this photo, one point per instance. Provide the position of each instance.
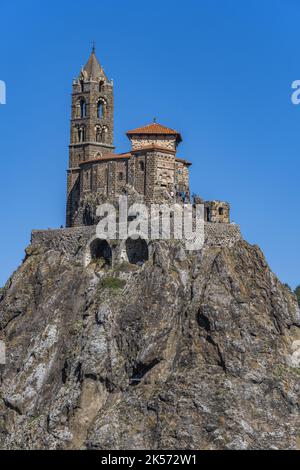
(151, 167)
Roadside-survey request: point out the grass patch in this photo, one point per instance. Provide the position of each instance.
(113, 283)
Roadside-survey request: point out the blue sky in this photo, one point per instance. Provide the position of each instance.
(219, 71)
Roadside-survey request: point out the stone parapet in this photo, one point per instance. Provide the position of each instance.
(74, 241)
(222, 234)
(71, 241)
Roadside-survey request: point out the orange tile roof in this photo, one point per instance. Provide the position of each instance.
(127, 155)
(155, 129)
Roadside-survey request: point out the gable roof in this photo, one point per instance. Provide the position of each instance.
(154, 129)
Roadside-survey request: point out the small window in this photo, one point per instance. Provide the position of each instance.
(101, 84)
(207, 214)
(98, 134)
(142, 165)
(121, 176)
(81, 134)
(100, 110)
(104, 132)
(221, 211)
(82, 108)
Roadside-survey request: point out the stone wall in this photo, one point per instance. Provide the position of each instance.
(107, 176)
(71, 241)
(141, 141)
(73, 194)
(139, 172)
(75, 241)
(165, 171)
(222, 234)
(217, 211)
(182, 178)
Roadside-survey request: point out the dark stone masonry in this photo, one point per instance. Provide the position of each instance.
(151, 172)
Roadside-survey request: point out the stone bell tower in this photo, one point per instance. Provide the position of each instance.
(92, 125)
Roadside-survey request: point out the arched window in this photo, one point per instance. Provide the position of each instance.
(78, 109)
(81, 134)
(82, 108)
(221, 211)
(121, 176)
(142, 165)
(100, 110)
(81, 86)
(101, 83)
(98, 134)
(103, 134)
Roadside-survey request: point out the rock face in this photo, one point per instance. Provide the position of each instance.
(189, 351)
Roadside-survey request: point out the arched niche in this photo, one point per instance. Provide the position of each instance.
(137, 251)
(99, 251)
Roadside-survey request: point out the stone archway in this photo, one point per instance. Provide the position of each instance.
(99, 251)
(137, 251)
